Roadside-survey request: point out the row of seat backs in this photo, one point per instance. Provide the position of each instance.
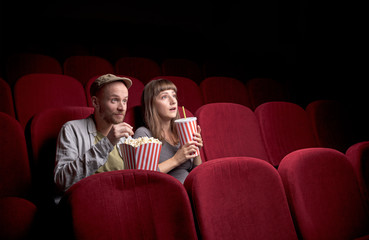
(228, 198)
(23, 177)
(35, 92)
(84, 67)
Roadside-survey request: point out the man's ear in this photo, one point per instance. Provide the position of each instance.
(95, 101)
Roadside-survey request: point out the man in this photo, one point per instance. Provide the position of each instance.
(89, 146)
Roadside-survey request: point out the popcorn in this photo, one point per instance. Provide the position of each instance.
(142, 140)
(141, 153)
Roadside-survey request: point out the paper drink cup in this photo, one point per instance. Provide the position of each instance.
(186, 127)
(144, 157)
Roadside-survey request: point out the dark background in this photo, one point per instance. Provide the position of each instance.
(320, 50)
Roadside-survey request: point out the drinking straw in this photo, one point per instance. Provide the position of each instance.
(184, 113)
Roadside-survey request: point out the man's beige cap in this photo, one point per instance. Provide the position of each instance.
(108, 78)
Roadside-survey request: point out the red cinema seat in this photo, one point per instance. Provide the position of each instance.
(44, 131)
(334, 124)
(138, 67)
(285, 127)
(188, 92)
(22, 64)
(230, 130)
(182, 67)
(17, 218)
(6, 98)
(135, 91)
(83, 68)
(239, 198)
(34, 93)
(323, 195)
(131, 204)
(358, 156)
(262, 90)
(15, 173)
(224, 89)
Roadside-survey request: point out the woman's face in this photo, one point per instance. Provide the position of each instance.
(166, 104)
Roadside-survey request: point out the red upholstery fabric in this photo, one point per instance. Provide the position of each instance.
(135, 91)
(6, 98)
(15, 175)
(83, 68)
(333, 124)
(224, 89)
(130, 204)
(21, 64)
(239, 198)
(323, 194)
(45, 128)
(34, 93)
(182, 67)
(262, 90)
(141, 68)
(285, 127)
(17, 218)
(188, 92)
(358, 156)
(230, 130)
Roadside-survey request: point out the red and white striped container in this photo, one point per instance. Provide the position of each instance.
(144, 157)
(186, 127)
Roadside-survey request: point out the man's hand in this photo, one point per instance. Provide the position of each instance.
(119, 130)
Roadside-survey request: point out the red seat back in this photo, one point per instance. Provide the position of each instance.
(324, 195)
(182, 67)
(6, 98)
(34, 93)
(262, 90)
(22, 64)
(141, 68)
(230, 130)
(333, 124)
(224, 89)
(15, 175)
(239, 198)
(285, 127)
(83, 68)
(132, 204)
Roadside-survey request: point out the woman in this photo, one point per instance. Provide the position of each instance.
(160, 110)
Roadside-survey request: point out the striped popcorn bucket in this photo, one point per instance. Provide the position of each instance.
(144, 157)
(186, 127)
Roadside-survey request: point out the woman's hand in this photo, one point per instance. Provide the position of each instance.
(197, 137)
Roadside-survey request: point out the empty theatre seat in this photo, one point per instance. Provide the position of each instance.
(135, 91)
(334, 124)
(83, 68)
(262, 90)
(182, 67)
(229, 130)
(6, 98)
(285, 127)
(141, 68)
(130, 204)
(22, 64)
(239, 198)
(34, 93)
(224, 89)
(324, 195)
(188, 92)
(17, 219)
(15, 175)
(358, 156)
(44, 131)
